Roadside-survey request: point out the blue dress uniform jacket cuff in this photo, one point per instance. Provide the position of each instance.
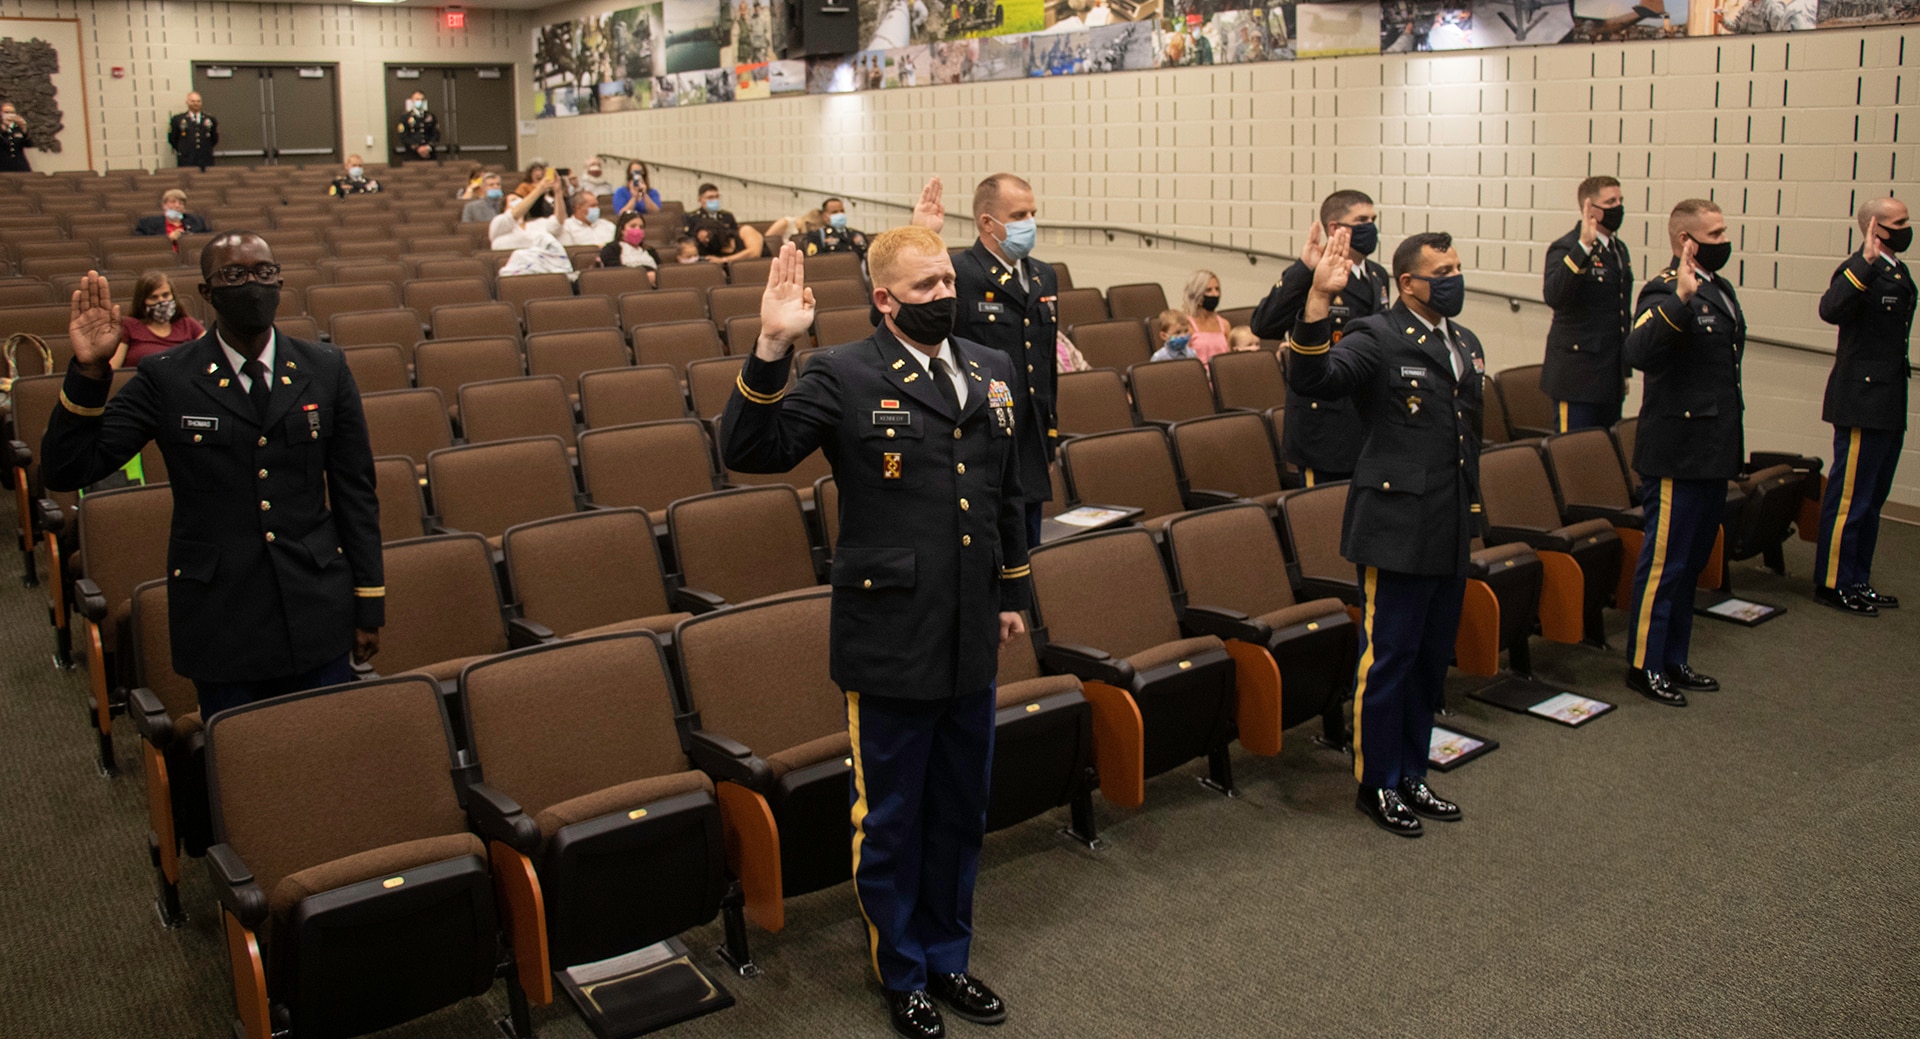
(763, 382)
(1857, 271)
(369, 608)
(1312, 337)
(1014, 584)
(84, 396)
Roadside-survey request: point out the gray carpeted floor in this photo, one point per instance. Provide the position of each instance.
(1746, 867)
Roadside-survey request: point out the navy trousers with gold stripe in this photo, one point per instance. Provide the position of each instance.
(1683, 517)
(1573, 414)
(1862, 477)
(1407, 628)
(920, 778)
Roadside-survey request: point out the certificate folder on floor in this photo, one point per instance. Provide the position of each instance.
(1744, 612)
(1449, 747)
(1526, 696)
(642, 991)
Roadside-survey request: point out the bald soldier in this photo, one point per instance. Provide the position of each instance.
(929, 575)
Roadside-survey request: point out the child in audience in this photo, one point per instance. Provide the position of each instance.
(1173, 334)
(689, 251)
(1240, 340)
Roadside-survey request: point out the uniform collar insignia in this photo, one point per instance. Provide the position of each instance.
(897, 365)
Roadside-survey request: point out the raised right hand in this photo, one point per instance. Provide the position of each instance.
(94, 322)
(1329, 276)
(1871, 248)
(1589, 225)
(1688, 282)
(786, 309)
(1311, 254)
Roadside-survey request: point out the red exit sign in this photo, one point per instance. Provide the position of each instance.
(456, 19)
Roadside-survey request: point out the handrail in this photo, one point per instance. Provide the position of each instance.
(1512, 299)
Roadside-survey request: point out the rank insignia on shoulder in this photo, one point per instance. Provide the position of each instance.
(911, 376)
(890, 465)
(897, 365)
(1006, 276)
(212, 368)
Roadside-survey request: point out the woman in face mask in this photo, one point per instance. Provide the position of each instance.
(1202, 299)
(637, 194)
(157, 322)
(627, 248)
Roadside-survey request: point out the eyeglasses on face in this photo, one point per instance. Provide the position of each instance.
(239, 273)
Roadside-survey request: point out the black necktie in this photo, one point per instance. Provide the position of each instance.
(1462, 364)
(943, 381)
(257, 372)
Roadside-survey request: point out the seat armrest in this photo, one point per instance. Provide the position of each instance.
(150, 717)
(1315, 588)
(522, 633)
(1201, 498)
(234, 887)
(50, 516)
(1223, 623)
(437, 527)
(497, 817)
(1577, 513)
(1086, 663)
(22, 454)
(723, 757)
(91, 600)
(1532, 537)
(695, 600)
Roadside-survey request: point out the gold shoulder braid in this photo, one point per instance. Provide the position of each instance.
(13, 363)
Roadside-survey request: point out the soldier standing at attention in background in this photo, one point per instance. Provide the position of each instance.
(193, 135)
(419, 130)
(14, 141)
(1589, 285)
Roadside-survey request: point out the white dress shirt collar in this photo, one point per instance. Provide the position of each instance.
(238, 361)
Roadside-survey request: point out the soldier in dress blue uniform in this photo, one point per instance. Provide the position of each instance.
(1413, 507)
(193, 135)
(1321, 436)
(274, 560)
(1589, 285)
(1688, 337)
(1871, 298)
(419, 131)
(929, 574)
(836, 237)
(14, 141)
(1009, 300)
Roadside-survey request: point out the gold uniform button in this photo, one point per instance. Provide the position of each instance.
(956, 434)
(176, 573)
(960, 468)
(966, 540)
(1026, 321)
(265, 505)
(890, 434)
(964, 505)
(262, 442)
(197, 438)
(263, 474)
(1313, 405)
(1386, 485)
(868, 583)
(1029, 368)
(269, 537)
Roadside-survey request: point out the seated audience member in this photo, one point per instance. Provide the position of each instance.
(355, 181)
(156, 324)
(539, 184)
(1173, 335)
(487, 204)
(719, 237)
(173, 221)
(1201, 299)
(688, 251)
(836, 236)
(626, 249)
(637, 194)
(519, 216)
(584, 226)
(476, 185)
(1066, 356)
(1241, 340)
(590, 180)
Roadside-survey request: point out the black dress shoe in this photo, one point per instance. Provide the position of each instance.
(1654, 686)
(1685, 677)
(1845, 601)
(914, 1015)
(1417, 795)
(969, 997)
(1865, 593)
(1391, 814)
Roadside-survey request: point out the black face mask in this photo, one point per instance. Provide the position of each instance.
(1611, 217)
(1711, 258)
(247, 309)
(1209, 303)
(1897, 239)
(1366, 238)
(925, 323)
(1448, 295)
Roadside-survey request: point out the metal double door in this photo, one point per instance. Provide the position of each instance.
(473, 104)
(272, 115)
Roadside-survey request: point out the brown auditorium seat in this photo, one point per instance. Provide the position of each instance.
(298, 327)
(742, 544)
(1293, 660)
(137, 254)
(741, 332)
(570, 353)
(324, 301)
(699, 276)
(842, 325)
(615, 281)
(403, 507)
(347, 922)
(1311, 521)
(771, 730)
(165, 710)
(25, 292)
(123, 537)
(363, 248)
(589, 573)
(467, 483)
(1062, 276)
(607, 834)
(753, 271)
(1530, 412)
(36, 247)
(1160, 698)
(364, 327)
(424, 294)
(624, 395)
(1080, 307)
(1118, 344)
(448, 364)
(710, 381)
(1251, 380)
(519, 288)
(1142, 300)
(661, 306)
(1625, 433)
(471, 320)
(1133, 468)
(650, 465)
(1165, 392)
(448, 244)
(435, 268)
(1093, 401)
(41, 319)
(360, 272)
(1581, 560)
(1593, 485)
(1231, 453)
(725, 302)
(508, 409)
(1493, 416)
(568, 314)
(1237, 317)
(828, 267)
(412, 423)
(837, 293)
(377, 367)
